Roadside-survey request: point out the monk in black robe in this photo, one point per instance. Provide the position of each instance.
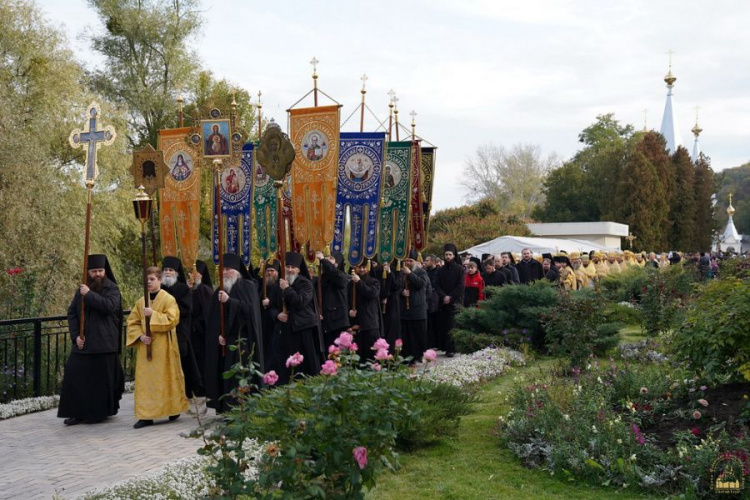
(175, 284)
(449, 286)
(391, 284)
(299, 326)
(242, 321)
(201, 291)
(365, 312)
(93, 382)
(271, 306)
(335, 304)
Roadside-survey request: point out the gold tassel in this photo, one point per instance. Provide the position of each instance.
(369, 265)
(398, 266)
(419, 257)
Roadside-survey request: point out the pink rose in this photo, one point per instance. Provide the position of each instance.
(376, 367)
(381, 355)
(332, 349)
(354, 347)
(429, 356)
(328, 368)
(399, 344)
(703, 402)
(294, 360)
(696, 414)
(270, 378)
(360, 455)
(380, 344)
(344, 341)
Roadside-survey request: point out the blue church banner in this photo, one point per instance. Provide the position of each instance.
(358, 194)
(236, 201)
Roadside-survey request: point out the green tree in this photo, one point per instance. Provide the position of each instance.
(512, 178)
(147, 60)
(682, 207)
(472, 224)
(705, 223)
(42, 198)
(639, 199)
(584, 189)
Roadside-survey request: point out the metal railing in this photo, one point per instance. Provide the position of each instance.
(33, 352)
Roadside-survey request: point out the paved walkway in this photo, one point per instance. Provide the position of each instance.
(41, 457)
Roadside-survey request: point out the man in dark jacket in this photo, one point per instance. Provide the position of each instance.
(529, 270)
(507, 261)
(174, 283)
(335, 304)
(364, 310)
(492, 277)
(413, 305)
(449, 286)
(93, 382)
(300, 326)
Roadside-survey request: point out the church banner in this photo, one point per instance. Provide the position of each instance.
(428, 177)
(236, 186)
(360, 167)
(179, 213)
(394, 210)
(315, 136)
(266, 213)
(416, 217)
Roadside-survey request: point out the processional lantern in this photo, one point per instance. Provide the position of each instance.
(143, 206)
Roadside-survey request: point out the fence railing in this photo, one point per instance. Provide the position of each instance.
(33, 352)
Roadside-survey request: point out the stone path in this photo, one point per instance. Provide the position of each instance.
(41, 457)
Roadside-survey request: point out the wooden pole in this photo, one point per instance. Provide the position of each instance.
(281, 231)
(144, 264)
(220, 233)
(86, 239)
(354, 294)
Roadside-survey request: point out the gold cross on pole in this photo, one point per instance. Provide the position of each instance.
(631, 237)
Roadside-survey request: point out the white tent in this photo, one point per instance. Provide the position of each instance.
(537, 245)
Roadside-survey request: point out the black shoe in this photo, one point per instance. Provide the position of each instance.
(172, 418)
(72, 421)
(142, 423)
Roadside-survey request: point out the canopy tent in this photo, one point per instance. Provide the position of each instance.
(537, 245)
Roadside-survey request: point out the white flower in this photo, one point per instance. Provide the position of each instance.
(28, 405)
(619, 441)
(593, 429)
(632, 457)
(566, 416)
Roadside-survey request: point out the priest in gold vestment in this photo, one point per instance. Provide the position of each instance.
(159, 382)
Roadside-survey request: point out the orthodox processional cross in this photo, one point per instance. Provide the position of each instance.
(90, 139)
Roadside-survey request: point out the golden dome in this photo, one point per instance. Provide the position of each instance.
(670, 78)
(730, 208)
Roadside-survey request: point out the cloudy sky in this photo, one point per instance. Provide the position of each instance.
(485, 71)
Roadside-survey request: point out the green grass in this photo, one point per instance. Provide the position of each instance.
(632, 333)
(475, 465)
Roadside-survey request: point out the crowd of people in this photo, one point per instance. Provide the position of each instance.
(189, 334)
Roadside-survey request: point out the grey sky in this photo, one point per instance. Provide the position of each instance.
(486, 71)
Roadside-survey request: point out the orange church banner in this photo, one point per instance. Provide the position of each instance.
(315, 136)
(179, 213)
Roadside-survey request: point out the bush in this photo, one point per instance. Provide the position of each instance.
(578, 327)
(627, 313)
(665, 296)
(714, 339)
(467, 341)
(628, 427)
(510, 308)
(439, 408)
(734, 267)
(625, 286)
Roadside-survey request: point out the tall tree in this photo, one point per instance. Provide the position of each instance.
(472, 224)
(147, 60)
(682, 208)
(584, 188)
(640, 200)
(42, 198)
(705, 187)
(512, 178)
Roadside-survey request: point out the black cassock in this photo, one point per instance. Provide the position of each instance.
(201, 298)
(241, 321)
(93, 382)
(390, 289)
(193, 381)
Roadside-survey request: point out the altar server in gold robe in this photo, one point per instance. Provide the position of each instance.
(159, 382)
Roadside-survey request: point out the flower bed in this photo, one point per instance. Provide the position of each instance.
(28, 405)
(628, 426)
(466, 369)
(185, 478)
